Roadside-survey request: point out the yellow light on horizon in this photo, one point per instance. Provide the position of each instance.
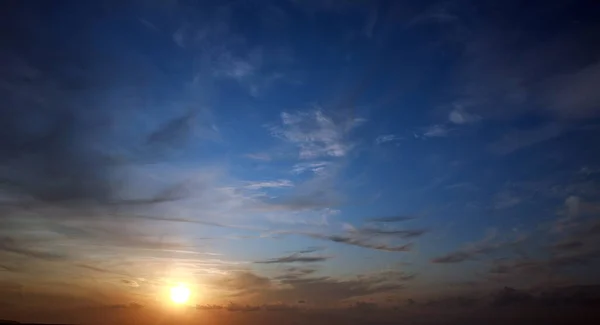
(180, 294)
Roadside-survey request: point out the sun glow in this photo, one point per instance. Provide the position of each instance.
(180, 294)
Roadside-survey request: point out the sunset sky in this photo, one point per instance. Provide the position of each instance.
(295, 154)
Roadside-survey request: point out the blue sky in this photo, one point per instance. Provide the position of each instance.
(254, 149)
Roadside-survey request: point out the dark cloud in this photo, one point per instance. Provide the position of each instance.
(555, 69)
(243, 308)
(510, 296)
(131, 305)
(392, 232)
(209, 307)
(294, 258)
(62, 143)
(130, 283)
(364, 306)
(518, 139)
(455, 257)
(9, 245)
(316, 289)
(355, 241)
(311, 250)
(473, 251)
(391, 219)
(279, 307)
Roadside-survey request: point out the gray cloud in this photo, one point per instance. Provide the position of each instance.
(294, 258)
(10, 245)
(391, 219)
(354, 241)
(392, 232)
(476, 250)
(518, 139)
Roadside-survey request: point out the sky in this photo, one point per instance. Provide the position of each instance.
(295, 156)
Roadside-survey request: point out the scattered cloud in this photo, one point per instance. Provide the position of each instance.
(387, 138)
(294, 258)
(315, 134)
(474, 251)
(355, 241)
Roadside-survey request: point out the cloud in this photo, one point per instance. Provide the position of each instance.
(238, 68)
(9, 245)
(243, 308)
(400, 233)
(505, 200)
(315, 134)
(294, 258)
(518, 139)
(209, 307)
(436, 131)
(130, 283)
(355, 241)
(475, 250)
(392, 219)
(387, 138)
(131, 305)
(314, 167)
(281, 183)
(460, 116)
(573, 95)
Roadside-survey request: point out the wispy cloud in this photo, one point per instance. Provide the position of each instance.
(269, 184)
(314, 167)
(460, 116)
(518, 139)
(9, 245)
(473, 251)
(315, 134)
(391, 219)
(436, 131)
(387, 138)
(294, 258)
(355, 241)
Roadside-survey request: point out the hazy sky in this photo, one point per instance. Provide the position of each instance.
(296, 154)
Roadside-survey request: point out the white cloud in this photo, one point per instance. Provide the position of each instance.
(387, 138)
(315, 167)
(315, 134)
(269, 184)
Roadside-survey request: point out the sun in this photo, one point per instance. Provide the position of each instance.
(180, 294)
